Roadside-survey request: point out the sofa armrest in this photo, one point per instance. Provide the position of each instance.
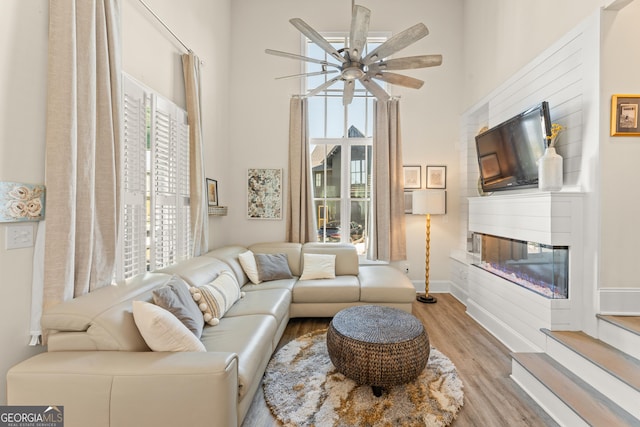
(114, 388)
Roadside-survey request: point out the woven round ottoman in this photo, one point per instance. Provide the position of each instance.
(377, 346)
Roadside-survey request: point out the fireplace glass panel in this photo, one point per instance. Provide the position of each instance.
(540, 268)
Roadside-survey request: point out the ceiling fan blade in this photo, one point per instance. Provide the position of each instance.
(300, 57)
(397, 79)
(422, 61)
(375, 89)
(315, 37)
(317, 73)
(323, 86)
(396, 43)
(359, 30)
(349, 89)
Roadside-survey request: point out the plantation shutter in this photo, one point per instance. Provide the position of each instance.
(132, 259)
(170, 229)
(185, 237)
(156, 229)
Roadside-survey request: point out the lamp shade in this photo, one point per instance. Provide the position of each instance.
(433, 202)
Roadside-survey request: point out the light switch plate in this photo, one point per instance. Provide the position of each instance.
(18, 236)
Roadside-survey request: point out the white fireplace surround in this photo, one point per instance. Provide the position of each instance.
(513, 313)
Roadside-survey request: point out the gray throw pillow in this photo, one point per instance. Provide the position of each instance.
(176, 298)
(273, 267)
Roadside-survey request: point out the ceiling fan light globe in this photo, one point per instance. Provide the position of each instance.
(352, 73)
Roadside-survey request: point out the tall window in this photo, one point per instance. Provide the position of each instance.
(155, 177)
(341, 153)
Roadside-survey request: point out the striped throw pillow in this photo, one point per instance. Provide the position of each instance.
(216, 298)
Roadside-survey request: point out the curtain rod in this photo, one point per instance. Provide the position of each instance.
(165, 26)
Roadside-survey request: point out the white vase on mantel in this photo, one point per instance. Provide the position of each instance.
(550, 170)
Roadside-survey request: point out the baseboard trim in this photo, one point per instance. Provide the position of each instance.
(619, 301)
(435, 286)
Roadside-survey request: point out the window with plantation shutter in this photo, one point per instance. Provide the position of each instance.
(156, 230)
(133, 258)
(169, 184)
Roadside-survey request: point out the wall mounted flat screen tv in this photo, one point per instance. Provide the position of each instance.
(508, 152)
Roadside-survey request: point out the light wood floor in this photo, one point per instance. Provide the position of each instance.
(491, 398)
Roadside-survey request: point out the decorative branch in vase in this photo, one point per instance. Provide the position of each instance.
(550, 164)
(555, 132)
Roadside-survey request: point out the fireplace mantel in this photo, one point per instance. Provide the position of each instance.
(543, 217)
(513, 314)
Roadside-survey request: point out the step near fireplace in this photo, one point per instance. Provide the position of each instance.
(540, 268)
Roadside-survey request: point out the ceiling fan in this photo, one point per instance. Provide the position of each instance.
(351, 65)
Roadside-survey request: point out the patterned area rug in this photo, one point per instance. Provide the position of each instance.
(303, 388)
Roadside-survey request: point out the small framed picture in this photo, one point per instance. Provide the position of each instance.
(212, 192)
(412, 177)
(624, 115)
(437, 177)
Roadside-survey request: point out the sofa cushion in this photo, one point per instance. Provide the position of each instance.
(176, 298)
(346, 256)
(229, 255)
(102, 319)
(197, 271)
(272, 267)
(250, 337)
(274, 302)
(292, 250)
(217, 297)
(162, 331)
(380, 283)
(319, 266)
(249, 266)
(340, 289)
(273, 284)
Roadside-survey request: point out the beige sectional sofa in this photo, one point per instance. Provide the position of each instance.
(99, 367)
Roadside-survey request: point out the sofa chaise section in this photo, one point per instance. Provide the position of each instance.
(130, 389)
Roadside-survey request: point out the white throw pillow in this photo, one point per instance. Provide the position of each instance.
(217, 297)
(162, 331)
(248, 263)
(319, 266)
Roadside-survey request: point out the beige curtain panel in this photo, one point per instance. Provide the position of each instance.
(300, 213)
(197, 184)
(388, 236)
(83, 136)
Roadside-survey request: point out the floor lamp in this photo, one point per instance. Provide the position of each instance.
(428, 202)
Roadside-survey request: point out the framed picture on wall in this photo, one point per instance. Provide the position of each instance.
(212, 192)
(264, 193)
(437, 177)
(624, 115)
(412, 177)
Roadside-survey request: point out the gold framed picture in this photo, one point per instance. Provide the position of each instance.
(624, 115)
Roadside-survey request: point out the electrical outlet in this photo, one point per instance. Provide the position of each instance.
(405, 268)
(18, 236)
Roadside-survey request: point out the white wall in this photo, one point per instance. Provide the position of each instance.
(619, 190)
(23, 47)
(260, 116)
(502, 36)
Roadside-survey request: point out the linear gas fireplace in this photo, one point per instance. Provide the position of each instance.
(540, 268)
